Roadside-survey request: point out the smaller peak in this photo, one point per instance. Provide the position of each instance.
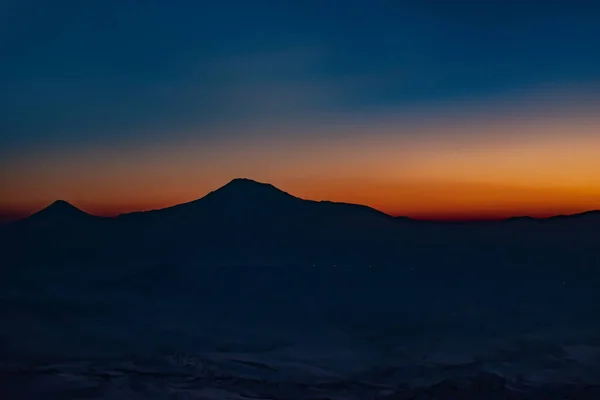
(61, 207)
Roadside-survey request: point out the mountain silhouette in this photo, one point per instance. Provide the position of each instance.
(58, 215)
(60, 227)
(60, 209)
(243, 198)
(246, 219)
(249, 190)
(240, 198)
(245, 207)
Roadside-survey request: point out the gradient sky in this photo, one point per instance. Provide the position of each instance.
(432, 108)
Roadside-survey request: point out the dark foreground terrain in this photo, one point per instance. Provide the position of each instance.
(251, 293)
(132, 383)
(343, 332)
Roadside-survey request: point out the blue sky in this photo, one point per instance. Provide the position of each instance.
(158, 82)
(77, 71)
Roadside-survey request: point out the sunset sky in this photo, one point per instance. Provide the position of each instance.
(433, 109)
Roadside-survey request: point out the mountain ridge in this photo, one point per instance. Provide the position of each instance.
(249, 220)
(239, 189)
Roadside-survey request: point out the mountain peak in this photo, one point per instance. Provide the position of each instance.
(248, 191)
(245, 182)
(245, 186)
(61, 204)
(60, 209)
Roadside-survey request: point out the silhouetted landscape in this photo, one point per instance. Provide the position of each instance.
(250, 292)
(299, 200)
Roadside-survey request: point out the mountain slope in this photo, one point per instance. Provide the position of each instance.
(263, 208)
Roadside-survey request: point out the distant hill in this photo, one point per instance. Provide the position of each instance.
(60, 211)
(58, 217)
(58, 228)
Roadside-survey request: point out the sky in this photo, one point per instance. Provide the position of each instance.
(434, 109)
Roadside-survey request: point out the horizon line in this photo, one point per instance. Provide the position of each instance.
(9, 216)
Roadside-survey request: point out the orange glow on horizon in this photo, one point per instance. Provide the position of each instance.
(456, 201)
(429, 168)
